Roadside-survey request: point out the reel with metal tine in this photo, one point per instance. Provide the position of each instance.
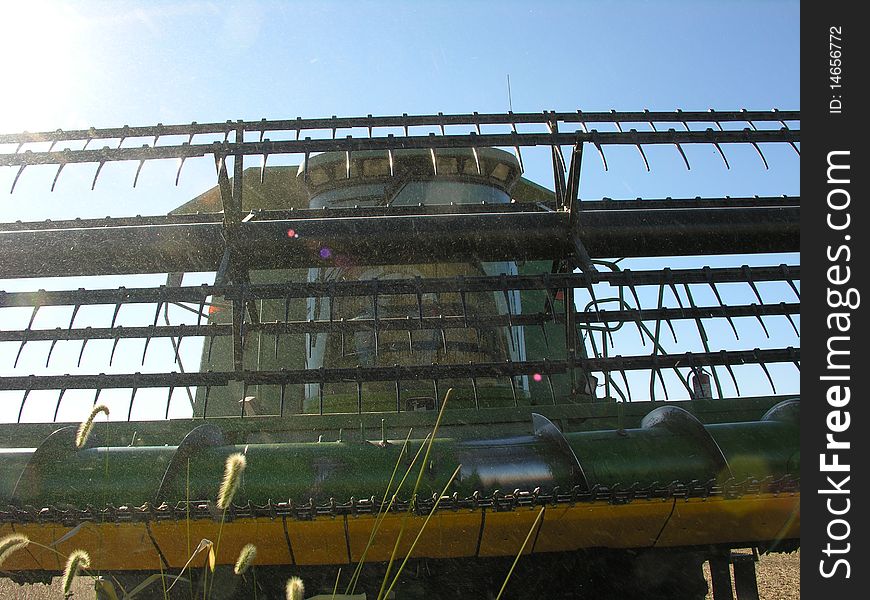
(262, 129)
(347, 162)
(718, 124)
(757, 311)
(178, 172)
(359, 395)
(546, 337)
(669, 279)
(369, 116)
(649, 119)
(97, 395)
(747, 273)
(56, 175)
(139, 169)
(390, 158)
(673, 133)
(794, 359)
(199, 312)
(27, 330)
(75, 311)
(621, 371)
(177, 347)
(476, 159)
(50, 350)
(685, 125)
(709, 276)
(82, 349)
(790, 321)
(730, 371)
(132, 398)
(410, 339)
(433, 158)
(99, 168)
(304, 166)
(263, 163)
(443, 336)
(658, 372)
(282, 397)
(168, 401)
(667, 321)
(639, 318)
(17, 175)
(764, 368)
(437, 393)
(244, 396)
(398, 393)
(441, 123)
(581, 121)
(57, 406)
(718, 147)
(23, 402)
(334, 128)
(751, 124)
(684, 381)
(637, 145)
(553, 127)
(702, 331)
(760, 154)
(405, 123)
(115, 341)
(597, 144)
(788, 279)
(205, 401)
(147, 342)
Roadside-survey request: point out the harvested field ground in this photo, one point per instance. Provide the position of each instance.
(778, 579)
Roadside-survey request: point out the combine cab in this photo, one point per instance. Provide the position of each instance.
(441, 376)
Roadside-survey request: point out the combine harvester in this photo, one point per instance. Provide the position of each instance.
(413, 347)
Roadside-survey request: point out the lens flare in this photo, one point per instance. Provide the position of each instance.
(537, 377)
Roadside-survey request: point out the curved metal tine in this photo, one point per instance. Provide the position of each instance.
(334, 129)
(766, 372)
(546, 337)
(640, 149)
(639, 318)
(713, 287)
(443, 340)
(760, 320)
(168, 402)
(132, 398)
(177, 346)
(23, 401)
(97, 174)
(114, 347)
(73, 317)
(24, 341)
(751, 124)
(320, 385)
(57, 406)
(794, 147)
(713, 113)
(476, 159)
(649, 119)
(680, 150)
(347, 163)
(553, 127)
(513, 390)
(761, 154)
(441, 124)
(684, 381)
(790, 321)
(157, 312)
(390, 159)
(598, 147)
(702, 331)
(747, 272)
(434, 159)
(722, 154)
(115, 314)
(56, 175)
(625, 380)
(263, 166)
(178, 172)
(138, 170)
(660, 305)
(50, 350)
(18, 355)
(17, 175)
(205, 401)
(731, 373)
(262, 129)
(82, 350)
(662, 380)
(147, 342)
(510, 315)
(419, 300)
(581, 121)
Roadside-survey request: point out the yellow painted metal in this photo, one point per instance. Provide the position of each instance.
(450, 534)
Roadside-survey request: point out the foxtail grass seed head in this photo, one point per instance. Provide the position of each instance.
(295, 589)
(246, 559)
(232, 478)
(77, 561)
(12, 544)
(88, 424)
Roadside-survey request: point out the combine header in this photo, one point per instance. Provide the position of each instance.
(431, 365)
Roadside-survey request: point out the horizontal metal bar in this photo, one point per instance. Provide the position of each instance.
(396, 372)
(351, 144)
(197, 294)
(431, 209)
(395, 324)
(380, 240)
(299, 124)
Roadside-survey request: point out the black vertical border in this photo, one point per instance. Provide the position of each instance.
(821, 133)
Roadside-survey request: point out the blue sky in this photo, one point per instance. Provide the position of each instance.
(80, 64)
